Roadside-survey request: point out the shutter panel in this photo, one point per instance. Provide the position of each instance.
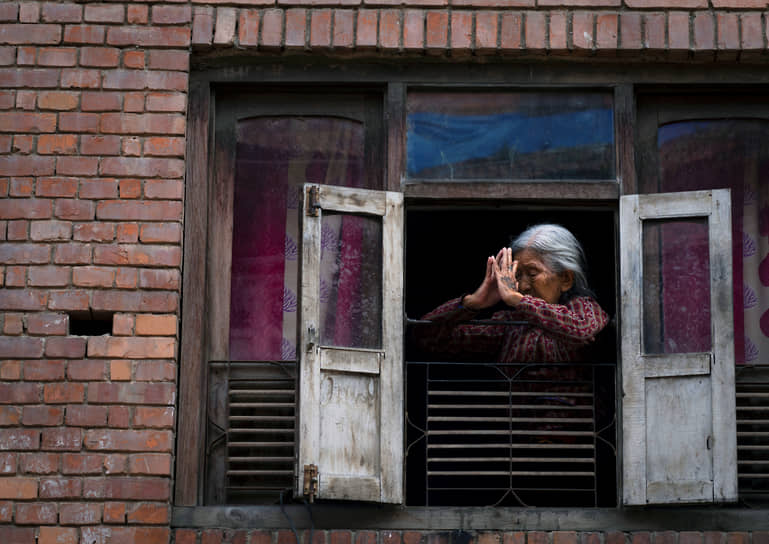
(351, 361)
(678, 408)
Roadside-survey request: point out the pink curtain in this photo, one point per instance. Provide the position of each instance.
(730, 154)
(275, 157)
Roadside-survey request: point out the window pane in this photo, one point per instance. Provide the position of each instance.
(275, 156)
(510, 135)
(734, 154)
(351, 281)
(676, 286)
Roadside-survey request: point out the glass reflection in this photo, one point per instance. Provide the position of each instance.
(506, 135)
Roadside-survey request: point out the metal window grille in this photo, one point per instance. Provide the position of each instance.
(753, 434)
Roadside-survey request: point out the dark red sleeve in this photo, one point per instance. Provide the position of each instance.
(580, 319)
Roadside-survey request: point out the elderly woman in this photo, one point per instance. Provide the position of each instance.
(541, 279)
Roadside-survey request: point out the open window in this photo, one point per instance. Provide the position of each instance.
(678, 405)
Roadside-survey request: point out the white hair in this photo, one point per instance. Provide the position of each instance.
(558, 249)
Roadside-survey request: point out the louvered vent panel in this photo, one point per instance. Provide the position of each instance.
(514, 435)
(255, 430)
(753, 434)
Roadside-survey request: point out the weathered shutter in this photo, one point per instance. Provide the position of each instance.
(351, 398)
(678, 408)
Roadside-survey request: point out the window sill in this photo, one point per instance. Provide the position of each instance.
(364, 516)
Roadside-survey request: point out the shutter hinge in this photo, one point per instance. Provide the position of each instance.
(313, 201)
(310, 481)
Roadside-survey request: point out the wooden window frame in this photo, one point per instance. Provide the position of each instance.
(626, 81)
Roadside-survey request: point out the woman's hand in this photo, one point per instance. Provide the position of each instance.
(487, 294)
(505, 269)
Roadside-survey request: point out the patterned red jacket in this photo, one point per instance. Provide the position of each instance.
(555, 332)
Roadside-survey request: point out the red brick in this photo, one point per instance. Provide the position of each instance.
(27, 122)
(486, 31)
(38, 78)
(18, 489)
(86, 416)
(248, 28)
(23, 144)
(9, 11)
(76, 166)
(139, 211)
(171, 15)
(132, 393)
(56, 187)
(58, 535)
(26, 56)
(62, 13)
(630, 31)
(22, 187)
(57, 100)
(752, 31)
(582, 34)
(128, 233)
(14, 324)
(60, 440)
(654, 35)
(20, 347)
(68, 348)
(129, 188)
(664, 4)
(606, 38)
(436, 30)
(343, 33)
(114, 512)
(203, 27)
(133, 102)
(79, 463)
(272, 28)
(224, 29)
(131, 348)
(79, 122)
(60, 488)
(87, 370)
(119, 418)
(21, 299)
(137, 14)
(100, 145)
(10, 371)
(72, 253)
(690, 537)
(320, 28)
(160, 232)
(44, 371)
(160, 59)
(728, 32)
(164, 189)
(89, 34)
(295, 28)
(9, 416)
(96, 101)
(137, 80)
(154, 371)
(47, 324)
(678, 31)
(80, 78)
(16, 165)
(99, 56)
(163, 146)
(153, 417)
(36, 513)
(16, 34)
(75, 210)
(134, 59)
(104, 13)
(16, 276)
(156, 325)
(39, 463)
(93, 276)
(47, 276)
(148, 514)
(367, 29)
(461, 31)
(63, 393)
(19, 440)
(50, 144)
(188, 536)
(57, 56)
(79, 514)
(704, 31)
(151, 489)
(99, 189)
(511, 31)
(149, 36)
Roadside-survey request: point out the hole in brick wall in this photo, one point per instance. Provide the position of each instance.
(90, 324)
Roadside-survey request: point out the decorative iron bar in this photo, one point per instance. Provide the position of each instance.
(753, 434)
(511, 434)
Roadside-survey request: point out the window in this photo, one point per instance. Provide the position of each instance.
(303, 284)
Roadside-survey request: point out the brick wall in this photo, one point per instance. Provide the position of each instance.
(92, 126)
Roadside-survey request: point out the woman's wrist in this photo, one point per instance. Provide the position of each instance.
(467, 302)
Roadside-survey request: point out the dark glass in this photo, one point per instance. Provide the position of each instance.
(351, 281)
(275, 156)
(510, 135)
(728, 154)
(676, 286)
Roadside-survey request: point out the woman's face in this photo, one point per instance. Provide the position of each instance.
(536, 279)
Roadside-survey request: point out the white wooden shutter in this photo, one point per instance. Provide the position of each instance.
(678, 409)
(351, 399)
